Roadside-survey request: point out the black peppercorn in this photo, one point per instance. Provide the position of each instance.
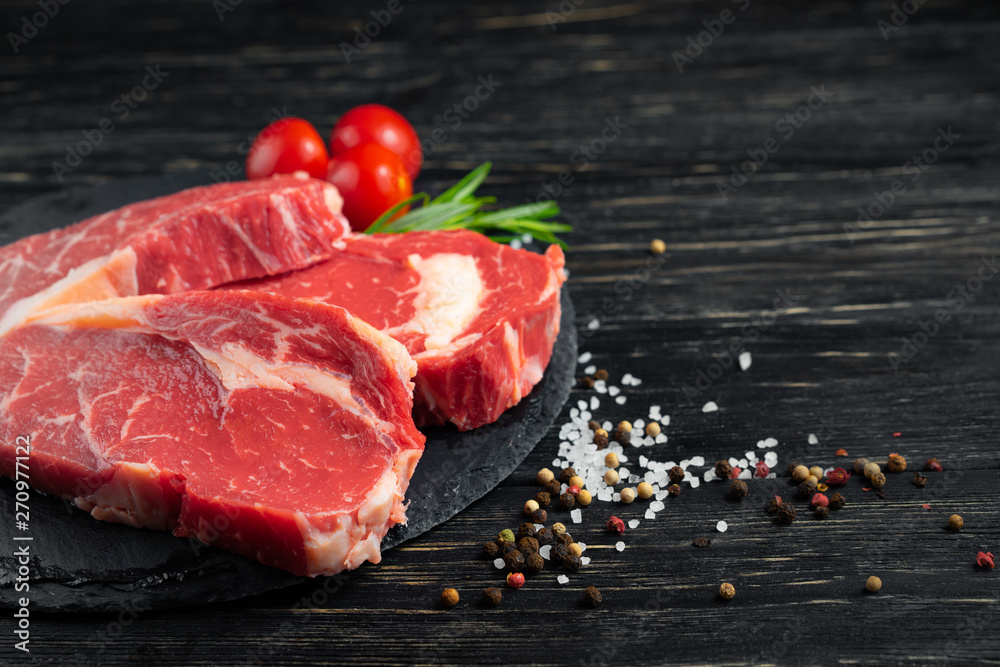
(490, 550)
(567, 500)
(492, 596)
(676, 474)
(572, 563)
(837, 501)
(558, 554)
(528, 545)
(565, 539)
(791, 467)
(503, 544)
(738, 489)
(822, 512)
(674, 489)
(514, 560)
(593, 425)
(622, 438)
(919, 480)
(539, 516)
(601, 375)
(772, 505)
(786, 513)
(566, 475)
(534, 564)
(723, 470)
(526, 530)
(807, 490)
(543, 498)
(507, 548)
(592, 596)
(586, 382)
(553, 488)
(701, 542)
(601, 440)
(544, 536)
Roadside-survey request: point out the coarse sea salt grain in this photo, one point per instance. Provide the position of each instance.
(499, 564)
(813, 440)
(745, 360)
(613, 391)
(585, 560)
(695, 482)
(709, 407)
(601, 387)
(722, 526)
(584, 358)
(633, 523)
(620, 546)
(590, 370)
(562, 579)
(656, 506)
(594, 324)
(516, 244)
(620, 400)
(543, 551)
(576, 515)
(594, 403)
(650, 514)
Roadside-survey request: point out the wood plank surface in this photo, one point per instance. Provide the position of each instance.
(555, 80)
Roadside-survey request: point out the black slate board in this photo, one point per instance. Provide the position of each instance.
(82, 564)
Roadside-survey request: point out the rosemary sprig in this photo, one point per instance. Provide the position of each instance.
(458, 207)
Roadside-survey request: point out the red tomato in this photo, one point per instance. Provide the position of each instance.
(381, 125)
(371, 179)
(286, 146)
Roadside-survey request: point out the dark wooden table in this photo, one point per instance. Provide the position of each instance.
(823, 365)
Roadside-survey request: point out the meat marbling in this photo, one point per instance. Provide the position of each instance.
(282, 426)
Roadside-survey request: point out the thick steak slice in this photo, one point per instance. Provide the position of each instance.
(280, 428)
(194, 239)
(479, 318)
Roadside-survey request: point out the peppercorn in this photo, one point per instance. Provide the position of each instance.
(539, 516)
(645, 490)
(727, 591)
(627, 495)
(573, 490)
(657, 247)
(812, 479)
(933, 465)
(514, 560)
(701, 542)
(859, 466)
(919, 480)
(527, 545)
(600, 432)
(507, 548)
(544, 536)
(652, 429)
(676, 474)
(576, 481)
(506, 535)
(526, 530)
(592, 596)
(738, 489)
(565, 539)
(807, 489)
(872, 469)
(877, 480)
(534, 564)
(611, 478)
(490, 549)
(543, 498)
(567, 500)
(558, 554)
(554, 487)
(822, 511)
(449, 597)
(601, 440)
(874, 584)
(819, 500)
(837, 501)
(625, 427)
(799, 473)
(544, 476)
(615, 525)
(575, 549)
(572, 562)
(674, 490)
(955, 522)
(530, 507)
(558, 529)
(515, 580)
(492, 596)
(566, 475)
(896, 463)
(611, 460)
(593, 425)
(623, 437)
(586, 382)
(583, 497)
(772, 505)
(786, 513)
(723, 469)
(601, 375)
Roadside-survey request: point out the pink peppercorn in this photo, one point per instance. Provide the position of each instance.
(763, 470)
(616, 525)
(820, 500)
(515, 580)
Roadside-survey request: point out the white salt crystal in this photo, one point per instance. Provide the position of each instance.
(574, 413)
(770, 442)
(557, 463)
(585, 560)
(650, 514)
(576, 515)
(709, 475)
(760, 444)
(750, 455)
(605, 496)
(745, 360)
(538, 526)
(742, 463)
(584, 358)
(594, 403)
(601, 387)
(660, 439)
(633, 523)
(771, 459)
(616, 497)
(698, 461)
(613, 391)
(637, 424)
(734, 461)
(499, 564)
(722, 526)
(623, 471)
(813, 440)
(695, 482)
(620, 546)
(643, 461)
(607, 426)
(583, 546)
(620, 400)
(562, 579)
(594, 324)
(709, 407)
(627, 379)
(582, 404)
(590, 370)
(660, 495)
(634, 479)
(746, 474)
(543, 551)
(656, 506)
(516, 244)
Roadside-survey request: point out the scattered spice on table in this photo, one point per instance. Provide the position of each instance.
(933, 465)
(449, 597)
(786, 514)
(822, 512)
(592, 596)
(984, 559)
(616, 525)
(955, 522)
(873, 584)
(919, 480)
(492, 596)
(701, 542)
(738, 489)
(515, 580)
(896, 463)
(772, 505)
(727, 591)
(837, 501)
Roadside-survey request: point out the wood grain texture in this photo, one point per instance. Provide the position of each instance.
(821, 366)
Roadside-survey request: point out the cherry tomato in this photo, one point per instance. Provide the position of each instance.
(286, 146)
(371, 179)
(381, 125)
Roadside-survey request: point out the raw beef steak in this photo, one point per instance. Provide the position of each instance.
(194, 239)
(479, 318)
(280, 428)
